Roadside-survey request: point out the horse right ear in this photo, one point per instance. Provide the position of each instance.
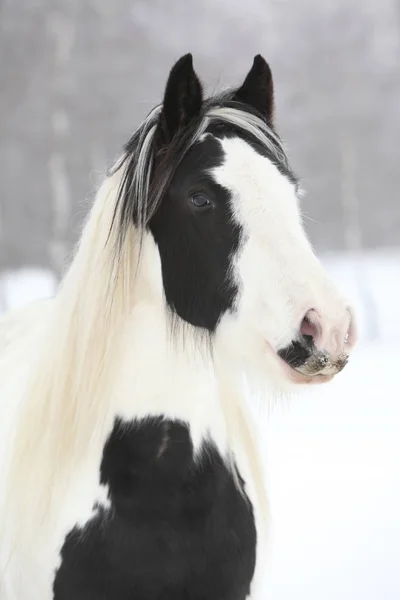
(183, 98)
(257, 89)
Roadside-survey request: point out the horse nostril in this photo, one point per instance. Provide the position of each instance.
(310, 328)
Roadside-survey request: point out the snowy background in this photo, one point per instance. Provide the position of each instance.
(76, 76)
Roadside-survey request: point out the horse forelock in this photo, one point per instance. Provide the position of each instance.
(148, 165)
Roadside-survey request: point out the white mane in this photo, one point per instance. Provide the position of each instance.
(66, 405)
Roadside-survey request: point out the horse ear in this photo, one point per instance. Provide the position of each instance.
(183, 97)
(258, 88)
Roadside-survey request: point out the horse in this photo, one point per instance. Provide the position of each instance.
(131, 465)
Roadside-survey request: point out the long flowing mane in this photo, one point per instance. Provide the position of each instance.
(66, 406)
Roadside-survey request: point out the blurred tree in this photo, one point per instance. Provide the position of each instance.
(77, 77)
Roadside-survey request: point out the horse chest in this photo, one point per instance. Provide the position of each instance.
(177, 528)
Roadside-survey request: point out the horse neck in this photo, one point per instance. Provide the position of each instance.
(169, 371)
(178, 378)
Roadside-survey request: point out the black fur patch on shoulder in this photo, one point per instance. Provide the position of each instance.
(178, 529)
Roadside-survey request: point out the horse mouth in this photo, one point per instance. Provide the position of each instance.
(318, 367)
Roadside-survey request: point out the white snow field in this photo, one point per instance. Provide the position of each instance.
(333, 471)
(332, 452)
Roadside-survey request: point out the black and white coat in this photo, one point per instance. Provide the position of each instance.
(130, 469)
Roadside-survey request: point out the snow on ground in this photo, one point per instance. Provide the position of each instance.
(333, 471)
(25, 285)
(332, 453)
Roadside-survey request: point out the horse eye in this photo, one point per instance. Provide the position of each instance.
(200, 201)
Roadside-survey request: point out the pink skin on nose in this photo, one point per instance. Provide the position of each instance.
(334, 336)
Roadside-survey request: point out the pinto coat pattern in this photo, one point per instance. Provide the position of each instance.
(129, 460)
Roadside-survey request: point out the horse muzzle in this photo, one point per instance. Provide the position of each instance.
(322, 347)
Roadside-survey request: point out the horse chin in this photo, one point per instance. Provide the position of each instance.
(297, 377)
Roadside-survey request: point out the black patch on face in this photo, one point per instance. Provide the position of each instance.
(178, 529)
(197, 246)
(197, 249)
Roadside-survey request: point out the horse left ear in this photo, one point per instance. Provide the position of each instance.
(258, 89)
(183, 97)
